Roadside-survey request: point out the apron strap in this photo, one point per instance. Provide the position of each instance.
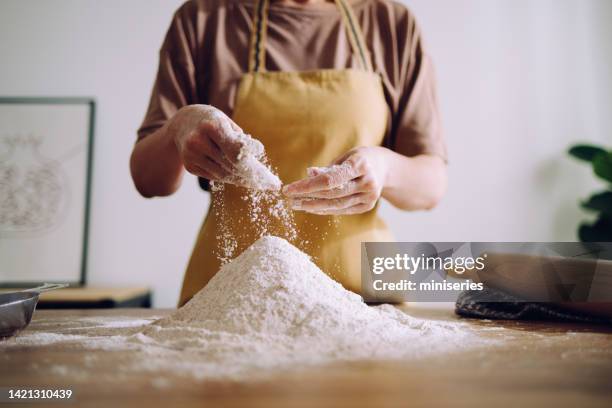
(355, 35)
(259, 28)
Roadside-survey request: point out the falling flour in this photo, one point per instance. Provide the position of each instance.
(268, 212)
(266, 205)
(267, 310)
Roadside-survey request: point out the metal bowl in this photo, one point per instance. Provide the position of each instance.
(16, 310)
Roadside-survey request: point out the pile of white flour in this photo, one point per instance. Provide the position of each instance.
(267, 310)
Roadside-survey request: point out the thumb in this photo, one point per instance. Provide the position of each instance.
(343, 157)
(314, 171)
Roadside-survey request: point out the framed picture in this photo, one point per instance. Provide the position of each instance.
(46, 147)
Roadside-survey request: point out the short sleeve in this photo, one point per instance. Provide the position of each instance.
(175, 84)
(416, 126)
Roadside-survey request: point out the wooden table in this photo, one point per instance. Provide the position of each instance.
(540, 364)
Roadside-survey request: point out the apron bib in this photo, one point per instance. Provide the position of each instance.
(303, 119)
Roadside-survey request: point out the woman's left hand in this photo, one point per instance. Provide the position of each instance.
(352, 185)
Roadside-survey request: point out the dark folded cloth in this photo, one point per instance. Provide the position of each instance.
(479, 304)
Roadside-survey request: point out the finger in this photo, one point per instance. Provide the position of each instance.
(206, 164)
(367, 184)
(200, 145)
(215, 153)
(227, 143)
(345, 156)
(357, 162)
(332, 178)
(253, 146)
(314, 171)
(235, 126)
(364, 184)
(198, 171)
(215, 169)
(356, 209)
(349, 188)
(314, 205)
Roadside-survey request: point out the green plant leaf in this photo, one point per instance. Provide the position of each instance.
(585, 152)
(600, 231)
(601, 202)
(602, 165)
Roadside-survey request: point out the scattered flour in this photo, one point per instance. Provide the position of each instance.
(269, 309)
(268, 213)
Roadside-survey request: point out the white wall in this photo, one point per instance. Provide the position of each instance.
(520, 80)
(107, 50)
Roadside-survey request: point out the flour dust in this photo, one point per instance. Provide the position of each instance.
(267, 213)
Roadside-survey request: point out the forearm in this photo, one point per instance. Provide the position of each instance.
(155, 164)
(414, 183)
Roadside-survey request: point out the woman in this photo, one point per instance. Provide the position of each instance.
(317, 82)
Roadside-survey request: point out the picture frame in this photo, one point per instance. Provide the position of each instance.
(46, 163)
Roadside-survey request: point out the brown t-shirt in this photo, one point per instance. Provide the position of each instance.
(205, 53)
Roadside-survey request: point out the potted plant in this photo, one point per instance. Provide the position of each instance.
(600, 203)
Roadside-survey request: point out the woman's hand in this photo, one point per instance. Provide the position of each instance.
(203, 143)
(200, 139)
(352, 185)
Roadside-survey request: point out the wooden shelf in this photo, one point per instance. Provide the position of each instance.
(96, 298)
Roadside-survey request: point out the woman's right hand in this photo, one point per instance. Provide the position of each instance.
(203, 143)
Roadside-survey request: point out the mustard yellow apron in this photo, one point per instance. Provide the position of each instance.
(303, 119)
